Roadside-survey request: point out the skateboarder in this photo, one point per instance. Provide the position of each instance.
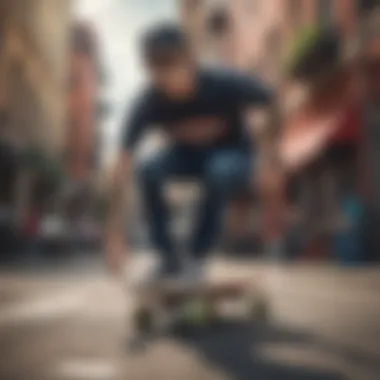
(202, 111)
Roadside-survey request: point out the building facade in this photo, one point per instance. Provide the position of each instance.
(255, 36)
(33, 74)
(81, 133)
(34, 52)
(81, 144)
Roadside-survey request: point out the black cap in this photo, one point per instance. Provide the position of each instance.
(163, 43)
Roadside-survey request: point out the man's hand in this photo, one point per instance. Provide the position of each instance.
(115, 246)
(115, 250)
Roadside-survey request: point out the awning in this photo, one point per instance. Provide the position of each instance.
(305, 137)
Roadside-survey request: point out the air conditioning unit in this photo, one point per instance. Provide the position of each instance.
(366, 6)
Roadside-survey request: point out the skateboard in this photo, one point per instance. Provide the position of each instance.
(164, 306)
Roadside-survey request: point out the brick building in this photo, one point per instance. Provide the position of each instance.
(33, 50)
(255, 36)
(81, 134)
(81, 144)
(33, 70)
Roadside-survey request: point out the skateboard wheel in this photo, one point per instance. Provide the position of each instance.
(259, 310)
(143, 320)
(199, 313)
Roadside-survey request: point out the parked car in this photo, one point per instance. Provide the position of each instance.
(53, 235)
(8, 233)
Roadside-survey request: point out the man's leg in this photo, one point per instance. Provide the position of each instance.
(152, 175)
(226, 172)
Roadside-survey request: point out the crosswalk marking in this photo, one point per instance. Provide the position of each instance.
(49, 307)
(94, 369)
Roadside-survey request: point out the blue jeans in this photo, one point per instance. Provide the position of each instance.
(222, 173)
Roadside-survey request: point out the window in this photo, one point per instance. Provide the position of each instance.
(2, 42)
(325, 11)
(274, 43)
(295, 12)
(365, 6)
(218, 23)
(274, 52)
(191, 5)
(252, 6)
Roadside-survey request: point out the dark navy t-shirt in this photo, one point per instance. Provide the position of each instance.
(212, 117)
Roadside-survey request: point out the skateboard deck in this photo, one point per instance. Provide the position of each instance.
(168, 294)
(163, 306)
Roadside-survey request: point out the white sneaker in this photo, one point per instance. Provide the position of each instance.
(275, 251)
(154, 273)
(194, 274)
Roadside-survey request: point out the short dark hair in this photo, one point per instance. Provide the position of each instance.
(162, 44)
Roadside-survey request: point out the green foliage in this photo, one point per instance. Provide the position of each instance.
(301, 46)
(315, 51)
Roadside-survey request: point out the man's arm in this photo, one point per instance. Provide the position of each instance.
(115, 239)
(260, 103)
(120, 180)
(120, 185)
(264, 124)
(264, 121)
(263, 114)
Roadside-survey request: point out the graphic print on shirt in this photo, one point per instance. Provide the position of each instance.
(198, 130)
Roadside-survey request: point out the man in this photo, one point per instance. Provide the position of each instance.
(202, 113)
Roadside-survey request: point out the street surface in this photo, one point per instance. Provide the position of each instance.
(71, 323)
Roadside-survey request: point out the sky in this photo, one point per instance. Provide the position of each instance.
(118, 24)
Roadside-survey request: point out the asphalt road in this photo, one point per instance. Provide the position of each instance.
(72, 323)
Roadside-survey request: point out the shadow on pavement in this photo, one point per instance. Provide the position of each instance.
(233, 348)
